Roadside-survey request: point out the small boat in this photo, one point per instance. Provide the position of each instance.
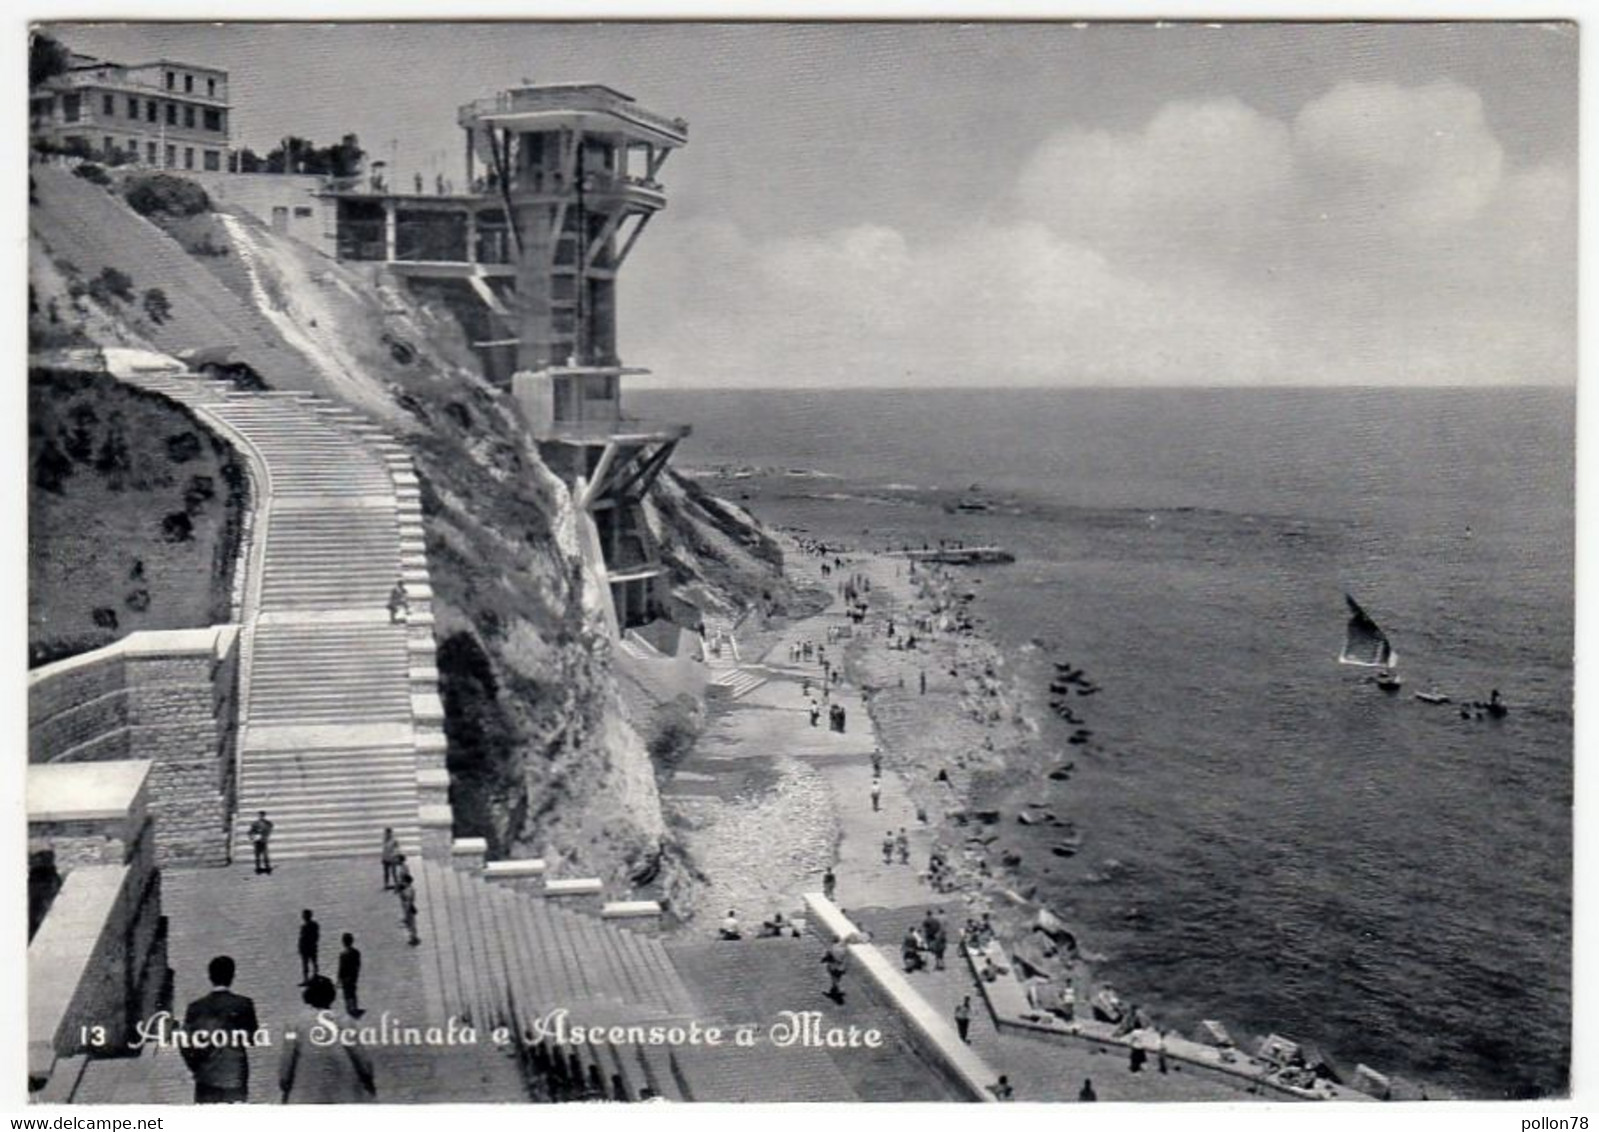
(1388, 681)
(1432, 697)
(1365, 643)
(962, 556)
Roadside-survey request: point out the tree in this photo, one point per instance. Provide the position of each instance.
(157, 307)
(153, 193)
(47, 58)
(300, 155)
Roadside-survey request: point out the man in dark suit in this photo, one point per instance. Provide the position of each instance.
(310, 941)
(350, 976)
(218, 1028)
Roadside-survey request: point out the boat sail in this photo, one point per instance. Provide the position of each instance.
(1364, 642)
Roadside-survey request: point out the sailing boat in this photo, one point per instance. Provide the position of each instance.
(1366, 645)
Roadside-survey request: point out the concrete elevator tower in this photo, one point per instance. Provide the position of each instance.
(576, 168)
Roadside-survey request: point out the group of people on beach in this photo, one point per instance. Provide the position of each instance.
(921, 940)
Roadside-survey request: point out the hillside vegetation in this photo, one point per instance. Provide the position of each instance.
(134, 515)
(543, 756)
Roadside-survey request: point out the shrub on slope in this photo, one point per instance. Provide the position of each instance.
(134, 513)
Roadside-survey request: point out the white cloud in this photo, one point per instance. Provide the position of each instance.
(1421, 158)
(1379, 236)
(1197, 170)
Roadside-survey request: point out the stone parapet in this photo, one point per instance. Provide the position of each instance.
(641, 916)
(525, 875)
(468, 854)
(437, 824)
(94, 964)
(583, 894)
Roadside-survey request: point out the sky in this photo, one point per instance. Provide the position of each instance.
(1001, 204)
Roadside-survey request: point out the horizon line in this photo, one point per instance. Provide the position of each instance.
(1032, 386)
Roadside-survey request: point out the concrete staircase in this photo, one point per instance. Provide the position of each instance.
(500, 956)
(638, 648)
(331, 687)
(507, 956)
(731, 678)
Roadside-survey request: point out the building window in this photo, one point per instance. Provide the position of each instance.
(110, 146)
(188, 84)
(302, 210)
(133, 108)
(172, 80)
(188, 117)
(149, 153)
(71, 107)
(172, 113)
(213, 120)
(108, 104)
(188, 157)
(172, 156)
(213, 162)
(149, 110)
(211, 88)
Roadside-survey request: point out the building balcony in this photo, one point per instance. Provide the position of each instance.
(622, 431)
(591, 106)
(600, 189)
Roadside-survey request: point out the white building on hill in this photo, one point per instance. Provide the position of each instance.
(164, 114)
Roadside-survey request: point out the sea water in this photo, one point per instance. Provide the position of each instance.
(1266, 840)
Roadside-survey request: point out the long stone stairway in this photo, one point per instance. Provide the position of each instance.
(340, 725)
(328, 745)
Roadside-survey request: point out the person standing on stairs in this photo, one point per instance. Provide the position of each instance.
(310, 941)
(396, 602)
(349, 973)
(406, 889)
(829, 883)
(391, 859)
(260, 834)
(963, 1019)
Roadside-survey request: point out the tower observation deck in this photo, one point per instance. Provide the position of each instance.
(575, 168)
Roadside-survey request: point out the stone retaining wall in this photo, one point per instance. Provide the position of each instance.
(169, 697)
(95, 966)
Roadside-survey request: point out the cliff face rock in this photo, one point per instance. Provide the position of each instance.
(721, 557)
(543, 756)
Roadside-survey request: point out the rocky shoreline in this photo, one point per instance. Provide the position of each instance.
(955, 723)
(960, 747)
